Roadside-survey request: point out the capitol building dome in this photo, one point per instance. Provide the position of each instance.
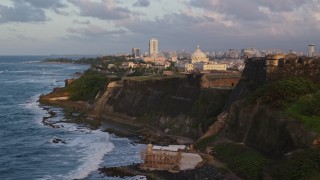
(199, 56)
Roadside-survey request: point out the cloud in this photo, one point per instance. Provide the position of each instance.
(244, 10)
(24, 11)
(142, 3)
(116, 26)
(283, 5)
(81, 22)
(232, 24)
(21, 12)
(104, 9)
(51, 4)
(94, 31)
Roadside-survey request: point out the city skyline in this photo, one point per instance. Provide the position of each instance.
(44, 27)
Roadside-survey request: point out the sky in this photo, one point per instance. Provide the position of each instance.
(45, 27)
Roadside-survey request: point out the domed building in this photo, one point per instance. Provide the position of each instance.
(199, 63)
(199, 56)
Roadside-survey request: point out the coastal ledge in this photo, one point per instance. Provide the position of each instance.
(58, 97)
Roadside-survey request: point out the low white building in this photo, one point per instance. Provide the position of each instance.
(156, 60)
(183, 66)
(127, 65)
(215, 67)
(210, 66)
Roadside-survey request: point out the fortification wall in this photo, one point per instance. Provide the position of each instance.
(219, 82)
(308, 68)
(259, 70)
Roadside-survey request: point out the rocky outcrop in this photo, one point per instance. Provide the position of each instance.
(216, 127)
(266, 130)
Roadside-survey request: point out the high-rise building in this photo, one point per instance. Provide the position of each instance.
(311, 50)
(153, 47)
(136, 52)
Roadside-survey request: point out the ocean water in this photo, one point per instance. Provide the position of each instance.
(26, 147)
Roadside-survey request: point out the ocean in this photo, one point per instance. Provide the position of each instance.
(26, 147)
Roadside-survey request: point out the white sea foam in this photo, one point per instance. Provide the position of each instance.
(1, 72)
(93, 146)
(137, 178)
(33, 105)
(30, 62)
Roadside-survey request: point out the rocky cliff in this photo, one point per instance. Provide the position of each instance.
(176, 105)
(258, 137)
(266, 129)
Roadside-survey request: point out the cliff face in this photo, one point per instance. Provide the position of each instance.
(253, 76)
(176, 104)
(266, 130)
(171, 96)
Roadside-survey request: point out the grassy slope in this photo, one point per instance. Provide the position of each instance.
(307, 110)
(299, 98)
(87, 86)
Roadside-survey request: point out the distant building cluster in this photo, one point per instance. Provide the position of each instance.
(199, 61)
(183, 61)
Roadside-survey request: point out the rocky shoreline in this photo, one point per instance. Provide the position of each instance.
(79, 113)
(204, 172)
(145, 133)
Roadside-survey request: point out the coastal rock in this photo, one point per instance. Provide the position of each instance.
(206, 172)
(57, 140)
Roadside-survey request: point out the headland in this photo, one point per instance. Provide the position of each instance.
(260, 125)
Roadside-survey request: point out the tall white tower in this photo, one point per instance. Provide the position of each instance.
(311, 50)
(153, 47)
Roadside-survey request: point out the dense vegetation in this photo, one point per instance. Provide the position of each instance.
(283, 92)
(298, 98)
(101, 61)
(87, 86)
(301, 165)
(246, 162)
(205, 142)
(307, 110)
(92, 61)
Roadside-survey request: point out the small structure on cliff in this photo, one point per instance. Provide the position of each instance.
(170, 158)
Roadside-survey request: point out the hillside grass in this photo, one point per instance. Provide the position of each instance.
(87, 86)
(205, 142)
(301, 165)
(307, 110)
(282, 93)
(297, 97)
(244, 161)
(152, 77)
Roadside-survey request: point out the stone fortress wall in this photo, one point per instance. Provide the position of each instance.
(278, 66)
